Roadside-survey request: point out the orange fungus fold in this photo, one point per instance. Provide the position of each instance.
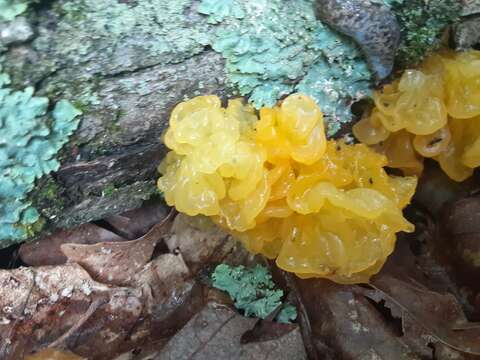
(432, 112)
(321, 208)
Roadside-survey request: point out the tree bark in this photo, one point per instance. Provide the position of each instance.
(126, 91)
(125, 64)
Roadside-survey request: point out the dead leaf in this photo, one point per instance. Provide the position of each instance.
(266, 331)
(135, 223)
(439, 315)
(459, 236)
(463, 216)
(46, 251)
(64, 308)
(345, 325)
(427, 257)
(52, 301)
(199, 241)
(128, 226)
(215, 333)
(435, 188)
(166, 273)
(117, 262)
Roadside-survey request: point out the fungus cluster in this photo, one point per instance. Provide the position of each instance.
(320, 208)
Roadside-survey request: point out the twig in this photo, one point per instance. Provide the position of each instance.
(91, 309)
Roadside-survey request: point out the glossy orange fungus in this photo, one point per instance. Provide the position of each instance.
(320, 208)
(431, 112)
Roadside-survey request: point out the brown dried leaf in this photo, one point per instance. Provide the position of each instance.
(215, 332)
(459, 238)
(463, 216)
(266, 331)
(128, 226)
(199, 241)
(46, 251)
(435, 188)
(171, 298)
(345, 325)
(170, 272)
(439, 315)
(135, 223)
(62, 306)
(116, 262)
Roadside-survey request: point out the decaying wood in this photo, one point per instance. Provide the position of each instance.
(126, 92)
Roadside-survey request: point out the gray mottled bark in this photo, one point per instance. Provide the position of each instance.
(466, 33)
(125, 64)
(126, 79)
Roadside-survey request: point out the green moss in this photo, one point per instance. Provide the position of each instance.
(30, 138)
(276, 47)
(422, 24)
(81, 106)
(47, 196)
(253, 291)
(32, 229)
(109, 190)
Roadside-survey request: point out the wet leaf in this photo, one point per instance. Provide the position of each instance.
(200, 242)
(345, 325)
(459, 228)
(128, 226)
(215, 333)
(463, 216)
(46, 251)
(439, 315)
(165, 282)
(265, 331)
(116, 262)
(435, 188)
(62, 307)
(135, 223)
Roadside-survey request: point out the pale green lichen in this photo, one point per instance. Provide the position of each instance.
(278, 47)
(254, 291)
(337, 78)
(218, 10)
(9, 9)
(29, 141)
(122, 34)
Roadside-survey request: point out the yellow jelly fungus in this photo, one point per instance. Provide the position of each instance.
(320, 208)
(431, 112)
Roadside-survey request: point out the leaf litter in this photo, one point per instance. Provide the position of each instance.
(138, 286)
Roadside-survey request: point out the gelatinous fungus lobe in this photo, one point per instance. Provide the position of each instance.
(320, 208)
(431, 112)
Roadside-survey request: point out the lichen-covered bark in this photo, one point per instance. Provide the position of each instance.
(110, 164)
(466, 33)
(126, 80)
(126, 63)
